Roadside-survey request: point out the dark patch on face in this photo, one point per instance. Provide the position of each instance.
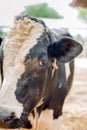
(31, 85)
(35, 70)
(35, 62)
(37, 82)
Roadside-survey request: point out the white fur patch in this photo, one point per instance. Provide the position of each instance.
(21, 38)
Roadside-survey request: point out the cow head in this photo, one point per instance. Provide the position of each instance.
(28, 53)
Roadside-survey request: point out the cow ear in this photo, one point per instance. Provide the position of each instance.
(64, 50)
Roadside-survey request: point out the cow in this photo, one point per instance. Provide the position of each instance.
(34, 76)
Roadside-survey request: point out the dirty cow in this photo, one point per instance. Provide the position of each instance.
(34, 83)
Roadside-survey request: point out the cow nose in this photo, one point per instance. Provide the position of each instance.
(5, 115)
(6, 118)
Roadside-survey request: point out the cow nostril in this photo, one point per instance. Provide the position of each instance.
(6, 120)
(13, 114)
(6, 117)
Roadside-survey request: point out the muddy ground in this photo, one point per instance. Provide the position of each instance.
(75, 107)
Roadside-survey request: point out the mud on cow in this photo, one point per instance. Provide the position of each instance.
(34, 83)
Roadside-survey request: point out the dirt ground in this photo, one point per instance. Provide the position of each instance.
(75, 107)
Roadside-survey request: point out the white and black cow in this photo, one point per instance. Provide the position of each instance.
(34, 77)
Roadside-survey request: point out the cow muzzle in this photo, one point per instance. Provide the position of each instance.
(9, 120)
(6, 119)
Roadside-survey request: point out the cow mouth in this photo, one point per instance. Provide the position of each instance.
(9, 118)
(6, 121)
(13, 122)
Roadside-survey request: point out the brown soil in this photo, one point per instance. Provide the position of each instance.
(75, 107)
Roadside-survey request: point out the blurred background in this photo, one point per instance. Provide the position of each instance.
(70, 15)
(67, 14)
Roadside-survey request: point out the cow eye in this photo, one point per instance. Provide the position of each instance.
(42, 63)
(28, 56)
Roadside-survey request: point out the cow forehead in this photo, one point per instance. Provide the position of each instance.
(21, 38)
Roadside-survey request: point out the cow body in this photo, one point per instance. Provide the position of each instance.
(34, 72)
